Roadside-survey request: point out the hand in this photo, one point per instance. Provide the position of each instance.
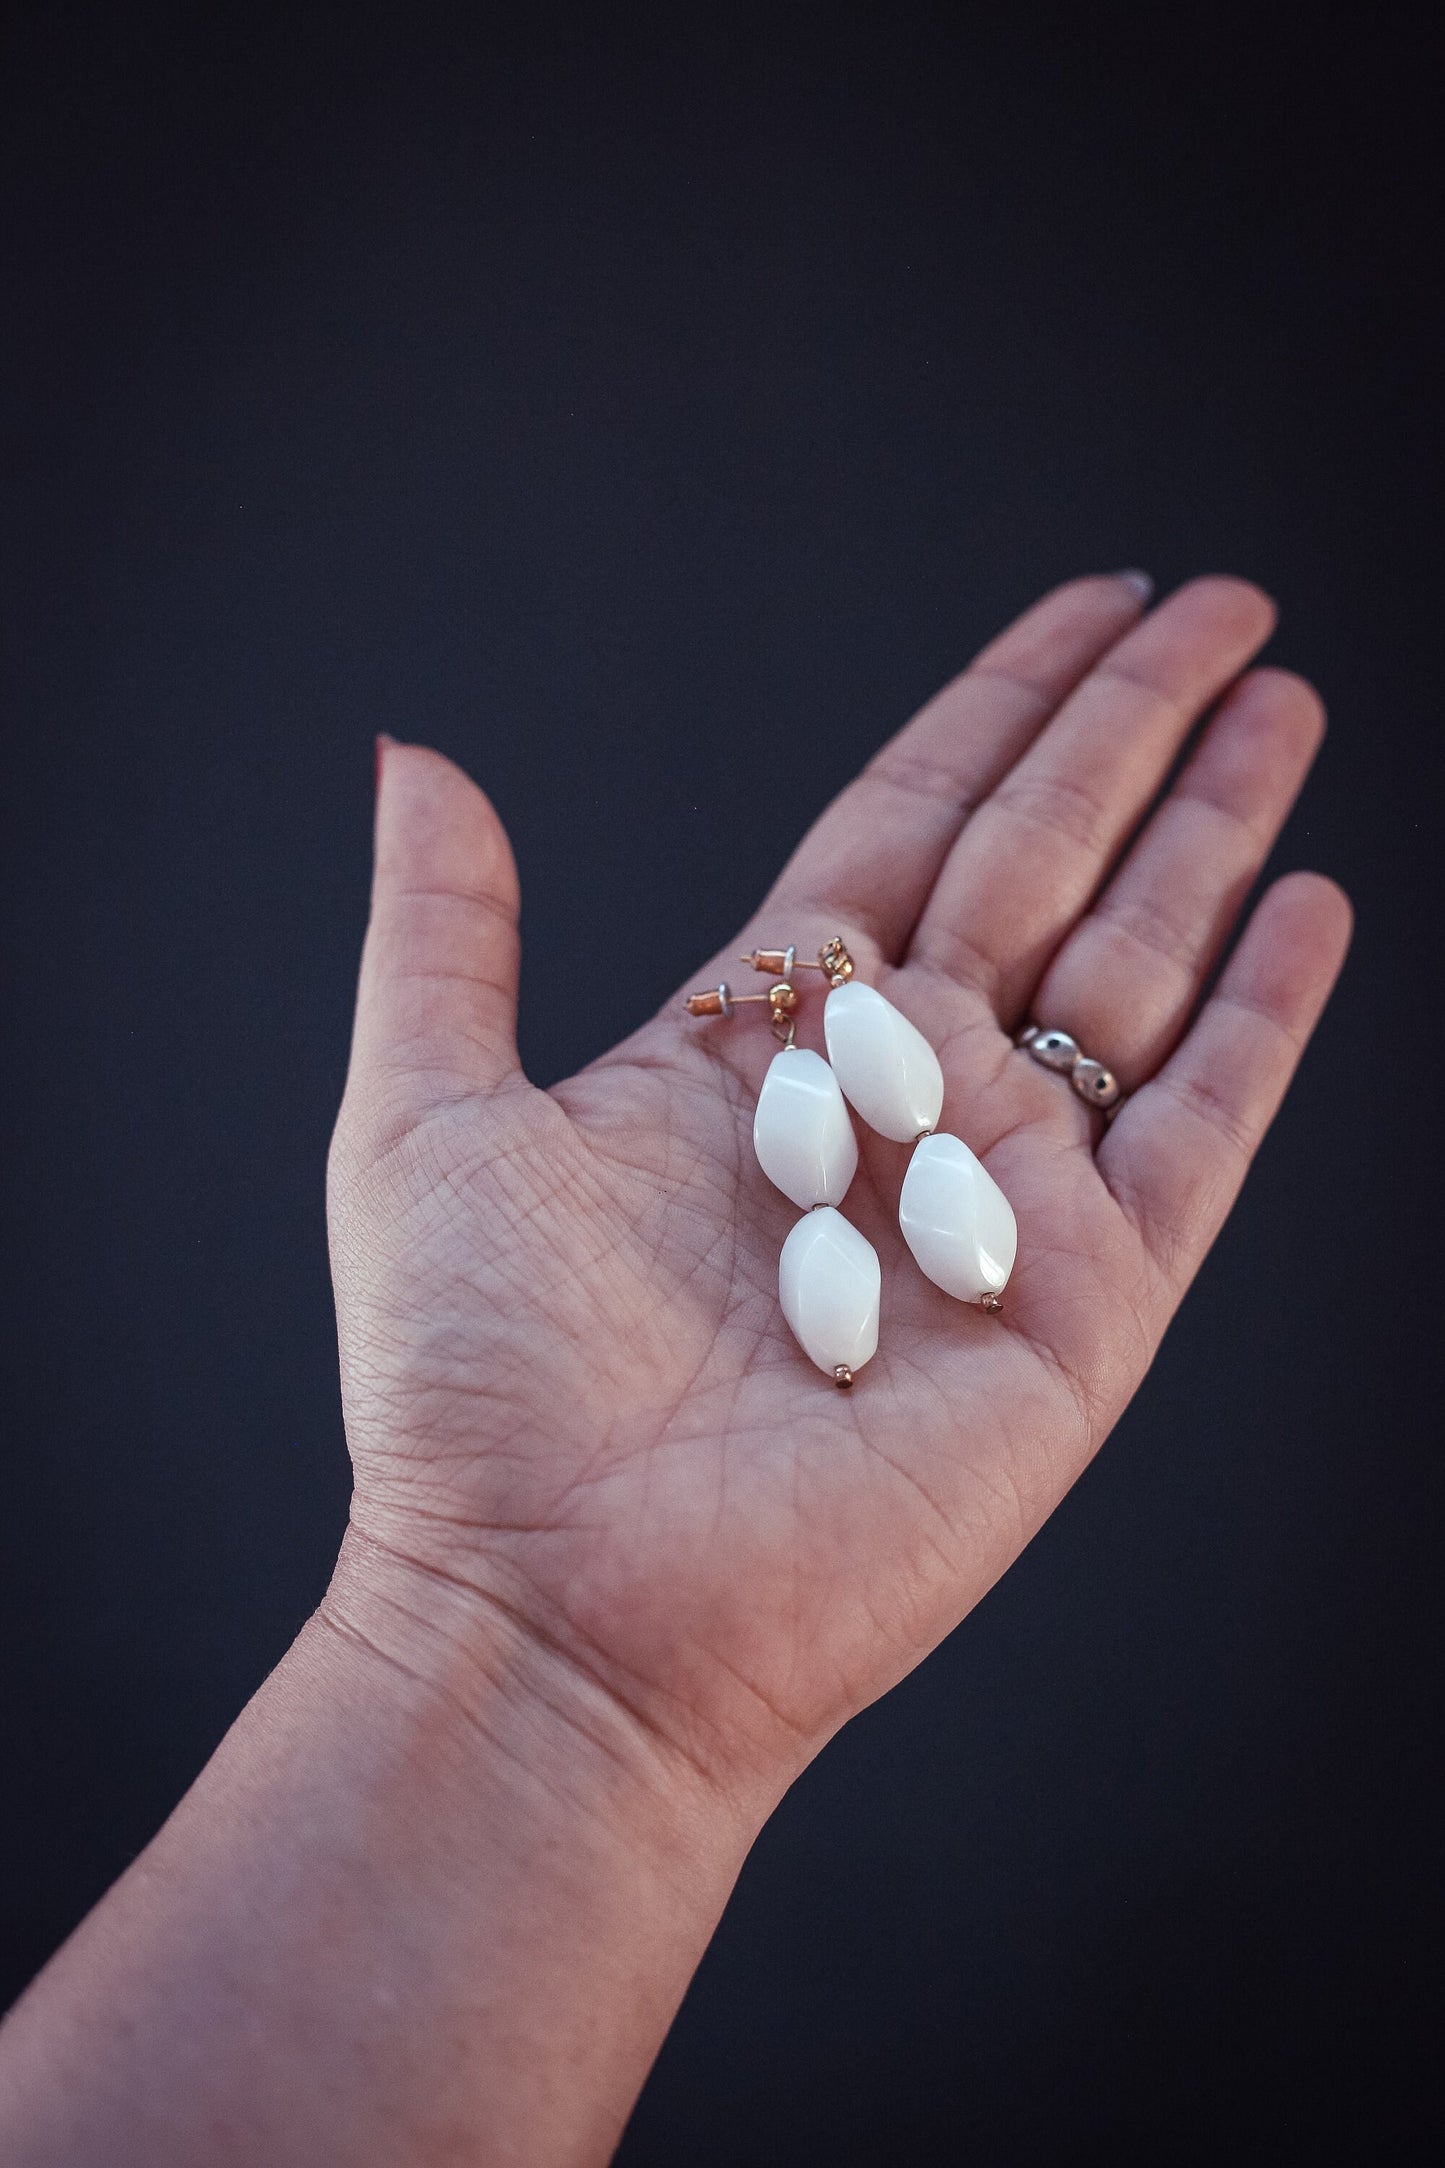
(586, 1446)
(626, 1557)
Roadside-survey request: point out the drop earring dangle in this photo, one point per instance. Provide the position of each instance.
(829, 1279)
(954, 1217)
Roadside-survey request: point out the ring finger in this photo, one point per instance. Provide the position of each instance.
(1129, 975)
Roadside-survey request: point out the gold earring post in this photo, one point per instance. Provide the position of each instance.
(721, 1000)
(833, 961)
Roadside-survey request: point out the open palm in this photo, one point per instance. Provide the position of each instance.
(581, 1429)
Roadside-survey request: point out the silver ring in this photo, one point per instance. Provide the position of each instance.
(1056, 1050)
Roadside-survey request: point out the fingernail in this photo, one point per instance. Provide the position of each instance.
(382, 742)
(1140, 582)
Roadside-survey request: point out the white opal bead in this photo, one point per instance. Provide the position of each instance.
(829, 1283)
(956, 1220)
(802, 1131)
(886, 1067)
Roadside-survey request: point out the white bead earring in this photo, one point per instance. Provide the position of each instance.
(955, 1218)
(829, 1279)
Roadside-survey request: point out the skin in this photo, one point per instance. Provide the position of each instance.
(620, 1561)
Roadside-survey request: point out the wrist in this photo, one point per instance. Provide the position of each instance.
(427, 1895)
(489, 1702)
(582, 1863)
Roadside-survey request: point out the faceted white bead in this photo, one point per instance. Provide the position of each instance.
(829, 1283)
(956, 1220)
(886, 1067)
(802, 1131)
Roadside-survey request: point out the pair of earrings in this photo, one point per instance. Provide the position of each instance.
(954, 1217)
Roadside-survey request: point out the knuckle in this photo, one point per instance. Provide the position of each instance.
(1149, 927)
(1206, 1103)
(1060, 805)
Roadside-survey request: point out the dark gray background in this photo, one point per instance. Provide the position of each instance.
(650, 409)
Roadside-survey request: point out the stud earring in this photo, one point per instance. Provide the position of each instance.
(955, 1219)
(829, 1279)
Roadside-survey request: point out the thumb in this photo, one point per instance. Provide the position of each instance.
(436, 1006)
